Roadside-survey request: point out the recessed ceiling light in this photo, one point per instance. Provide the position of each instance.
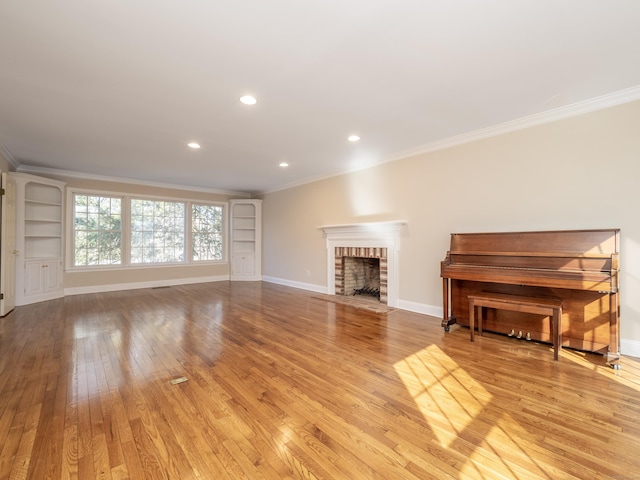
(193, 145)
(353, 138)
(284, 164)
(248, 100)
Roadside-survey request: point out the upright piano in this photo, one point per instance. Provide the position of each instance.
(579, 267)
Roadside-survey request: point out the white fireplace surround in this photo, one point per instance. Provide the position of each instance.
(373, 235)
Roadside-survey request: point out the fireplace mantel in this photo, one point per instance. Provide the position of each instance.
(371, 234)
(359, 230)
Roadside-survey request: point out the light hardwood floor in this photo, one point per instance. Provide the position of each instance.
(282, 384)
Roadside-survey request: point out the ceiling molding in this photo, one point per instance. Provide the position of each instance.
(103, 178)
(580, 108)
(7, 155)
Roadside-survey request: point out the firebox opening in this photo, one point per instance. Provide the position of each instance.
(362, 272)
(362, 276)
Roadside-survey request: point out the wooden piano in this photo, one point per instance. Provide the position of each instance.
(578, 267)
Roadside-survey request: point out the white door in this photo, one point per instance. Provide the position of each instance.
(8, 246)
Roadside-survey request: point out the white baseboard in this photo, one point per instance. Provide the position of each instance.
(133, 286)
(289, 283)
(423, 308)
(630, 348)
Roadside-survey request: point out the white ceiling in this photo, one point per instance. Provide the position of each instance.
(118, 88)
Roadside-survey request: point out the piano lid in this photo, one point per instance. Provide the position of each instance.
(573, 243)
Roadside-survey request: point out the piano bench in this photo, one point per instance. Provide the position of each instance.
(516, 303)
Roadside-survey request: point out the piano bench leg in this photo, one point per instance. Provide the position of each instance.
(472, 315)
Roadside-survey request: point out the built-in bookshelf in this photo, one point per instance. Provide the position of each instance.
(42, 221)
(246, 236)
(39, 238)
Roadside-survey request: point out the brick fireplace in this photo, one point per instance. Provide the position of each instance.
(361, 267)
(378, 241)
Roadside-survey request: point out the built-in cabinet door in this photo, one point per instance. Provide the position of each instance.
(243, 264)
(42, 276)
(52, 277)
(33, 274)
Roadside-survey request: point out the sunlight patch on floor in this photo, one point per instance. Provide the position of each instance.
(460, 412)
(442, 390)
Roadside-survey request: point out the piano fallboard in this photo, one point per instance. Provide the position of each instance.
(571, 279)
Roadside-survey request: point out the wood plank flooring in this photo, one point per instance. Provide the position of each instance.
(282, 385)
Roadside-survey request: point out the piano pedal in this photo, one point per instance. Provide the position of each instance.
(528, 336)
(511, 333)
(519, 334)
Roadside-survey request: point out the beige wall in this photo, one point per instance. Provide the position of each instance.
(578, 173)
(81, 281)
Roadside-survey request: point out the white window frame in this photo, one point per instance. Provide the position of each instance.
(126, 231)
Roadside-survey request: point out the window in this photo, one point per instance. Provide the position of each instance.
(206, 232)
(157, 231)
(97, 238)
(120, 231)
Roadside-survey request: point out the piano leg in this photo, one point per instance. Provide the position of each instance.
(614, 361)
(447, 320)
(613, 355)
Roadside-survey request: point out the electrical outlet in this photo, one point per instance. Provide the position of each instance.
(308, 273)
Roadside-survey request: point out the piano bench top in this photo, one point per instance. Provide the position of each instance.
(508, 299)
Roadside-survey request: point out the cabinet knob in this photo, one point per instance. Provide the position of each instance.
(16, 252)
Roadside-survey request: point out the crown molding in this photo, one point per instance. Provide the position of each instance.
(580, 108)
(620, 97)
(86, 176)
(8, 156)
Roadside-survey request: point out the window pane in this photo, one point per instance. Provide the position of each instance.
(206, 232)
(157, 231)
(97, 230)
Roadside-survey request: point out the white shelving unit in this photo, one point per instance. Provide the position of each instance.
(39, 238)
(246, 239)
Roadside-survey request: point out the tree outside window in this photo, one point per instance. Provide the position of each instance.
(97, 230)
(157, 231)
(206, 232)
